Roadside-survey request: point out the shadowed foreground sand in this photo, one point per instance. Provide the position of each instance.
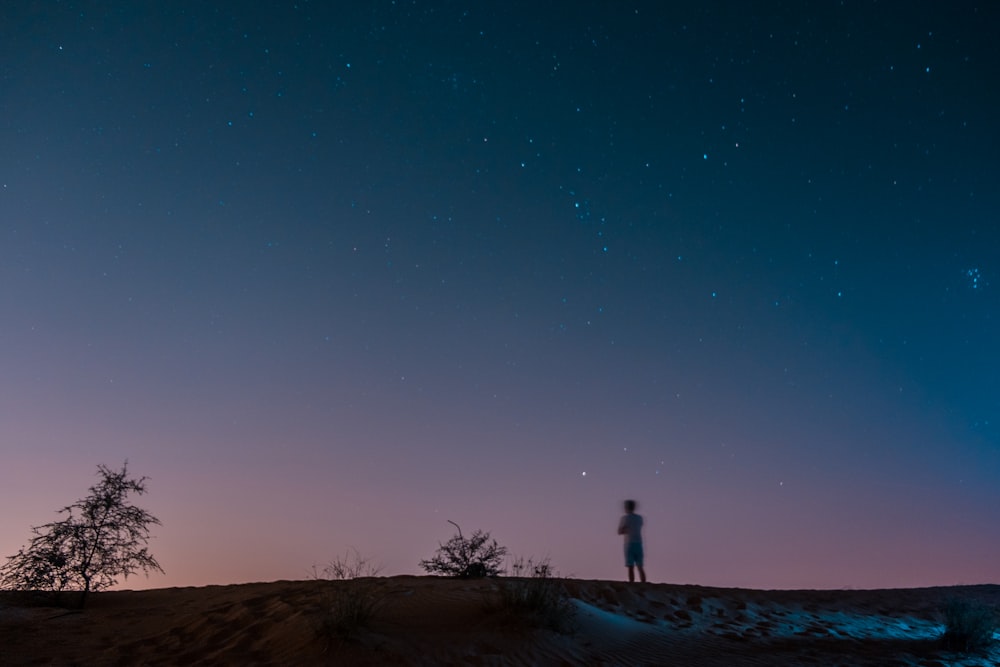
(433, 621)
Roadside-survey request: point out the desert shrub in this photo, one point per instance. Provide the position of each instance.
(533, 595)
(348, 609)
(471, 557)
(351, 605)
(969, 626)
(351, 565)
(103, 537)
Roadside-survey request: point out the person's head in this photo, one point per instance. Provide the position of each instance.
(630, 506)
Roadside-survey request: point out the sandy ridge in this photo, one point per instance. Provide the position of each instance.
(433, 621)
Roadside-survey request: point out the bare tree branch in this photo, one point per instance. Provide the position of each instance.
(103, 537)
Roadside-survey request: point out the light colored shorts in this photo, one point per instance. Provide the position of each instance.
(633, 554)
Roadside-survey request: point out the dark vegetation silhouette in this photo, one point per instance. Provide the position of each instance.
(472, 557)
(351, 599)
(352, 565)
(531, 594)
(102, 537)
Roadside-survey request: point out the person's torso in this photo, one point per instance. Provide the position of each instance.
(633, 527)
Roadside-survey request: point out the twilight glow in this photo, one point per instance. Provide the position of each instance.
(331, 275)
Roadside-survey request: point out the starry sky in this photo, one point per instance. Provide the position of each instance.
(331, 274)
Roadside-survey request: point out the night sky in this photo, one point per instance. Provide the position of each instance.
(333, 273)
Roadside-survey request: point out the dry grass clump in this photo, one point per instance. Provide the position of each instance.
(349, 607)
(532, 594)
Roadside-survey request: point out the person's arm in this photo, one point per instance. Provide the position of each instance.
(621, 526)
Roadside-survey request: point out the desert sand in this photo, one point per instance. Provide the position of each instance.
(435, 621)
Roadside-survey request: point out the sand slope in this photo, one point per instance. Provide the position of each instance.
(432, 621)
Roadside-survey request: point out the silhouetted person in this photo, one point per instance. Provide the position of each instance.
(631, 527)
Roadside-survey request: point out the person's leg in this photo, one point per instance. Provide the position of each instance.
(638, 559)
(631, 573)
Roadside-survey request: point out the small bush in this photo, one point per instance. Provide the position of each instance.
(352, 605)
(470, 557)
(351, 565)
(531, 594)
(349, 609)
(969, 626)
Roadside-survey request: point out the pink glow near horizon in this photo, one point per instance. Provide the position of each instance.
(333, 274)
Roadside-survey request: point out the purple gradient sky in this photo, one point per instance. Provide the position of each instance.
(332, 275)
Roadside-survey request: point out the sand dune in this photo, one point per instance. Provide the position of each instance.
(433, 621)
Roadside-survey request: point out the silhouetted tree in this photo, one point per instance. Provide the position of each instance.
(467, 557)
(102, 538)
